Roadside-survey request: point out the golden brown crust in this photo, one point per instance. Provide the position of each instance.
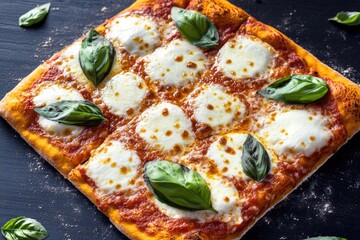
(11, 110)
(223, 14)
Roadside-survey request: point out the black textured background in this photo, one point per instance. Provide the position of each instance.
(327, 204)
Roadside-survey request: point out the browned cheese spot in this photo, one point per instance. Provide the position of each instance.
(210, 107)
(165, 112)
(190, 64)
(179, 58)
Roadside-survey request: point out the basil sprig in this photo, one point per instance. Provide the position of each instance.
(96, 56)
(195, 27)
(34, 16)
(177, 186)
(347, 18)
(255, 160)
(23, 228)
(79, 113)
(296, 89)
(326, 238)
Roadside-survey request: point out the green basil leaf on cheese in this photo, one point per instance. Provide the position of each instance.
(71, 112)
(96, 56)
(34, 16)
(23, 228)
(195, 27)
(255, 160)
(177, 186)
(296, 89)
(326, 238)
(347, 18)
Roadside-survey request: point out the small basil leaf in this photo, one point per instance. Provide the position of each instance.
(255, 160)
(296, 89)
(325, 238)
(96, 56)
(34, 16)
(177, 186)
(195, 27)
(80, 113)
(347, 18)
(23, 228)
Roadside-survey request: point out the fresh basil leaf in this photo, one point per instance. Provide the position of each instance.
(96, 56)
(23, 228)
(80, 113)
(347, 18)
(255, 160)
(34, 16)
(296, 89)
(195, 27)
(326, 238)
(177, 186)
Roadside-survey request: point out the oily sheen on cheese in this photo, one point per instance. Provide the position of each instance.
(165, 126)
(245, 57)
(49, 93)
(137, 34)
(214, 107)
(296, 131)
(113, 167)
(123, 93)
(176, 64)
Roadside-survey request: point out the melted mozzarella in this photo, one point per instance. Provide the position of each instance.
(226, 152)
(225, 200)
(48, 94)
(70, 64)
(296, 131)
(215, 108)
(113, 167)
(244, 57)
(123, 93)
(165, 126)
(177, 63)
(137, 34)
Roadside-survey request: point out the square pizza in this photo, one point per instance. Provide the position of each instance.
(184, 119)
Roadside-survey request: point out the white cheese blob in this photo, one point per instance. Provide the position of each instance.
(177, 63)
(137, 34)
(113, 167)
(216, 108)
(165, 126)
(245, 57)
(226, 152)
(296, 131)
(124, 92)
(225, 200)
(50, 93)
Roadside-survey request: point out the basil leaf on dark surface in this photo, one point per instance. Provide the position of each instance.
(195, 27)
(326, 238)
(296, 89)
(80, 113)
(255, 160)
(34, 16)
(347, 18)
(177, 186)
(23, 228)
(96, 56)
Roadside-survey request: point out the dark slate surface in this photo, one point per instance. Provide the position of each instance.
(327, 204)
